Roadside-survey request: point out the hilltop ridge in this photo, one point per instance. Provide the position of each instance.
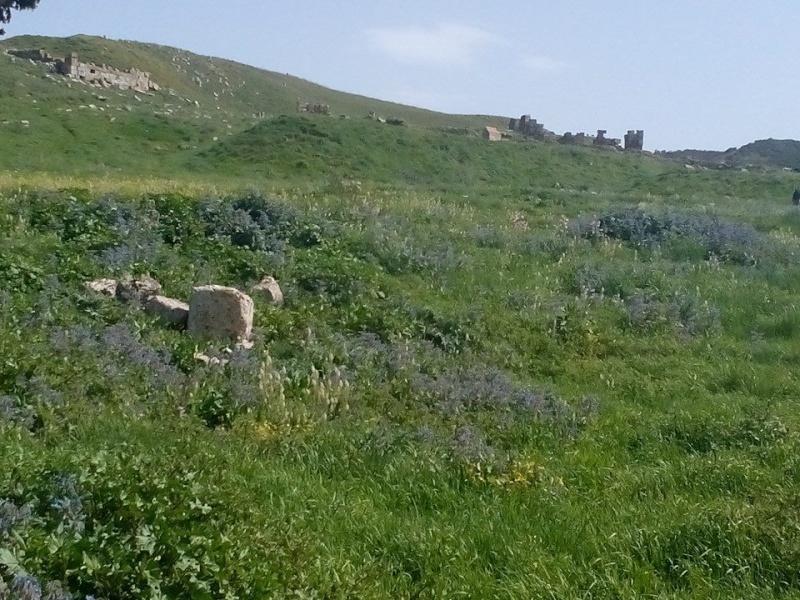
(234, 89)
(770, 153)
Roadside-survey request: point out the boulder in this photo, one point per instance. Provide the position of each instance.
(269, 290)
(220, 312)
(168, 310)
(138, 289)
(107, 287)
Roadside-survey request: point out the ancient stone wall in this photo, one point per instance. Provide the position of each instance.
(33, 54)
(576, 139)
(103, 75)
(132, 79)
(528, 127)
(531, 128)
(603, 141)
(314, 108)
(634, 139)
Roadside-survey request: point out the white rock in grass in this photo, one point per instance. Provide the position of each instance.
(220, 312)
(168, 310)
(107, 287)
(269, 290)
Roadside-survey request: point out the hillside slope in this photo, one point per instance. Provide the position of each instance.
(227, 88)
(303, 147)
(769, 153)
(201, 99)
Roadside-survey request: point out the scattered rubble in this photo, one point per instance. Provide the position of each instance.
(214, 311)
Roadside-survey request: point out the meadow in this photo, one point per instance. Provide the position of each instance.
(514, 370)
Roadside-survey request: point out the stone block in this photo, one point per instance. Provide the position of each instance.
(168, 310)
(137, 289)
(220, 312)
(269, 290)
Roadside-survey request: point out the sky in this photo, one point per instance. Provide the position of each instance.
(704, 74)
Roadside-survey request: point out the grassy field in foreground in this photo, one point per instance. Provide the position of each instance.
(580, 385)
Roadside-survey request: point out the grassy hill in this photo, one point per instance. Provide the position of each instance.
(768, 153)
(502, 370)
(229, 89)
(202, 98)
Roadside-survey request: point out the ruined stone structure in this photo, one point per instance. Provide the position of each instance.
(576, 139)
(106, 76)
(313, 108)
(33, 54)
(634, 139)
(534, 129)
(528, 127)
(602, 140)
(531, 128)
(102, 75)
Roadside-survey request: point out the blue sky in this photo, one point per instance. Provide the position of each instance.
(692, 73)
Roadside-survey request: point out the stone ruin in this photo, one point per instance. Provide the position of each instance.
(213, 311)
(102, 75)
(634, 139)
(528, 127)
(602, 141)
(33, 54)
(576, 139)
(314, 108)
(531, 128)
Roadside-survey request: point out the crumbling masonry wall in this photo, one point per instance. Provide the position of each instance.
(132, 79)
(530, 128)
(103, 75)
(634, 139)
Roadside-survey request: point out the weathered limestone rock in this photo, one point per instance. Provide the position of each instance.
(107, 287)
(138, 289)
(168, 310)
(269, 290)
(220, 312)
(492, 134)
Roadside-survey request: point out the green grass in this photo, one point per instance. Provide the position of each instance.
(681, 483)
(476, 388)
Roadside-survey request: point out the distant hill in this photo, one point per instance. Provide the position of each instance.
(232, 88)
(770, 153)
(51, 123)
(218, 119)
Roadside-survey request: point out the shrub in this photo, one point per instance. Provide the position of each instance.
(687, 313)
(683, 234)
(261, 223)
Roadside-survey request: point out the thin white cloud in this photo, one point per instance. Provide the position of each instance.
(543, 64)
(443, 46)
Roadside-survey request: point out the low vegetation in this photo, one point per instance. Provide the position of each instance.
(531, 371)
